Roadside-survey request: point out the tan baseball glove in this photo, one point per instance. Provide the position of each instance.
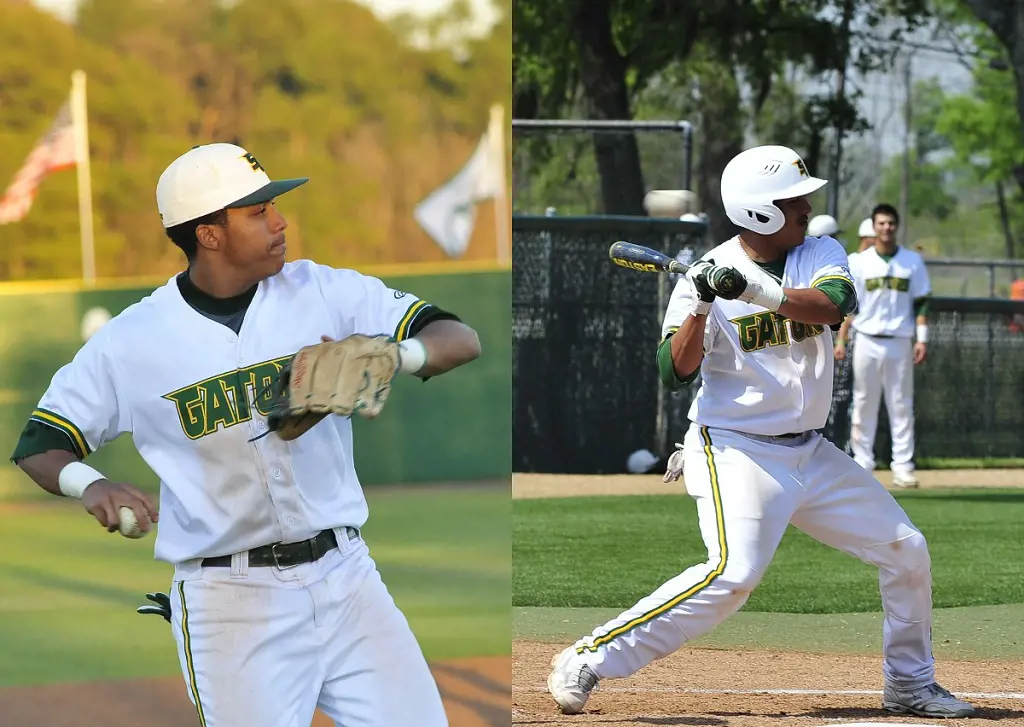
(336, 377)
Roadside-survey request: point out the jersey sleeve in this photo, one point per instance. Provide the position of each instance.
(365, 304)
(920, 283)
(832, 274)
(83, 402)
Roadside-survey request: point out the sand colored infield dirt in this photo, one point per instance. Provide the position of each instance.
(669, 691)
(527, 486)
(476, 693)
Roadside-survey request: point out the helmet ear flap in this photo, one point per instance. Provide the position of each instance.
(764, 218)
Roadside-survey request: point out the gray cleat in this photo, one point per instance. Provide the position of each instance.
(570, 682)
(928, 701)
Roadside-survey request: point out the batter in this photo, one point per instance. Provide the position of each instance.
(277, 607)
(751, 458)
(893, 289)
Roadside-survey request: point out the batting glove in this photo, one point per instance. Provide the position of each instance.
(674, 469)
(760, 290)
(162, 607)
(698, 277)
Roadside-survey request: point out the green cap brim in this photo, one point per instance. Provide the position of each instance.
(269, 192)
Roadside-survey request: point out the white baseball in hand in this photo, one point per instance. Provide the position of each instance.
(129, 524)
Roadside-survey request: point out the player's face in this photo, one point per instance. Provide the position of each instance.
(885, 227)
(797, 213)
(256, 239)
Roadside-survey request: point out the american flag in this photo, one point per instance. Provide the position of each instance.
(55, 151)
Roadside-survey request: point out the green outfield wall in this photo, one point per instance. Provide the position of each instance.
(453, 428)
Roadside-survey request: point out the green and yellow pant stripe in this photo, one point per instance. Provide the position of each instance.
(593, 644)
(45, 416)
(189, 664)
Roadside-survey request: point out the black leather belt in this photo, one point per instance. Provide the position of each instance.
(284, 555)
(875, 335)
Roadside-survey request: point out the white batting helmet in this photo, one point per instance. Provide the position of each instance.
(756, 178)
(822, 225)
(867, 228)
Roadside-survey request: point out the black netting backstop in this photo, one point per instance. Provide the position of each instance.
(585, 383)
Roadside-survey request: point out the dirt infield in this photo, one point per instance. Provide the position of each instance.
(692, 687)
(528, 486)
(476, 693)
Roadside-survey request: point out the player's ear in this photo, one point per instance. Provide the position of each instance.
(210, 237)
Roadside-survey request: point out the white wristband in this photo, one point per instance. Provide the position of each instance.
(702, 307)
(922, 333)
(414, 355)
(75, 477)
(766, 293)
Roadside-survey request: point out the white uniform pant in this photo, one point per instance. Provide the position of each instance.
(748, 490)
(883, 366)
(265, 646)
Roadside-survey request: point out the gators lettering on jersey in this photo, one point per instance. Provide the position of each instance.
(763, 373)
(887, 290)
(193, 394)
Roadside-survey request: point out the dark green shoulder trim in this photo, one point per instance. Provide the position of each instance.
(37, 438)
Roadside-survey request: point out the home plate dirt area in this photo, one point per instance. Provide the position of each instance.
(475, 692)
(756, 689)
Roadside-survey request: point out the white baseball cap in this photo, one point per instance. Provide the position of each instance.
(212, 177)
(822, 225)
(867, 228)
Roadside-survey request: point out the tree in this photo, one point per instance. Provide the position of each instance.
(595, 56)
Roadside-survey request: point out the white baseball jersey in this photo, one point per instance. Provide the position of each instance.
(192, 394)
(886, 291)
(763, 373)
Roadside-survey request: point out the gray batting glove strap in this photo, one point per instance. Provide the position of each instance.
(162, 606)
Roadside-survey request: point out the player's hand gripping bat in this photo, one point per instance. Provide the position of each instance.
(724, 281)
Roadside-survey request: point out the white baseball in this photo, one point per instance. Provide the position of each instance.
(93, 320)
(669, 202)
(129, 525)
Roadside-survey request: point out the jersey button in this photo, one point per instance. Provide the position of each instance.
(277, 474)
(291, 521)
(261, 426)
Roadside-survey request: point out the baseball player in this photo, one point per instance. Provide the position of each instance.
(866, 234)
(753, 462)
(277, 605)
(893, 289)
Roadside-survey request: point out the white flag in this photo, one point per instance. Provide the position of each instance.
(448, 214)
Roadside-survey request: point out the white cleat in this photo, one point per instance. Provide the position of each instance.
(928, 701)
(570, 682)
(905, 481)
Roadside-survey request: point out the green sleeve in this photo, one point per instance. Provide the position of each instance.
(37, 438)
(667, 371)
(921, 305)
(840, 291)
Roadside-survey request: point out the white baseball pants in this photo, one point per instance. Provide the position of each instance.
(264, 647)
(883, 366)
(748, 490)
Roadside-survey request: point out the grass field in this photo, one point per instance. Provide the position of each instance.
(68, 590)
(606, 552)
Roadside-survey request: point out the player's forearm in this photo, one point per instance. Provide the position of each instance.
(844, 329)
(687, 346)
(448, 344)
(44, 468)
(810, 305)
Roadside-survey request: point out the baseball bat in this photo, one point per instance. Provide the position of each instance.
(644, 259)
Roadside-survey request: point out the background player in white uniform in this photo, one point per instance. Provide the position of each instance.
(753, 462)
(893, 289)
(866, 234)
(277, 605)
